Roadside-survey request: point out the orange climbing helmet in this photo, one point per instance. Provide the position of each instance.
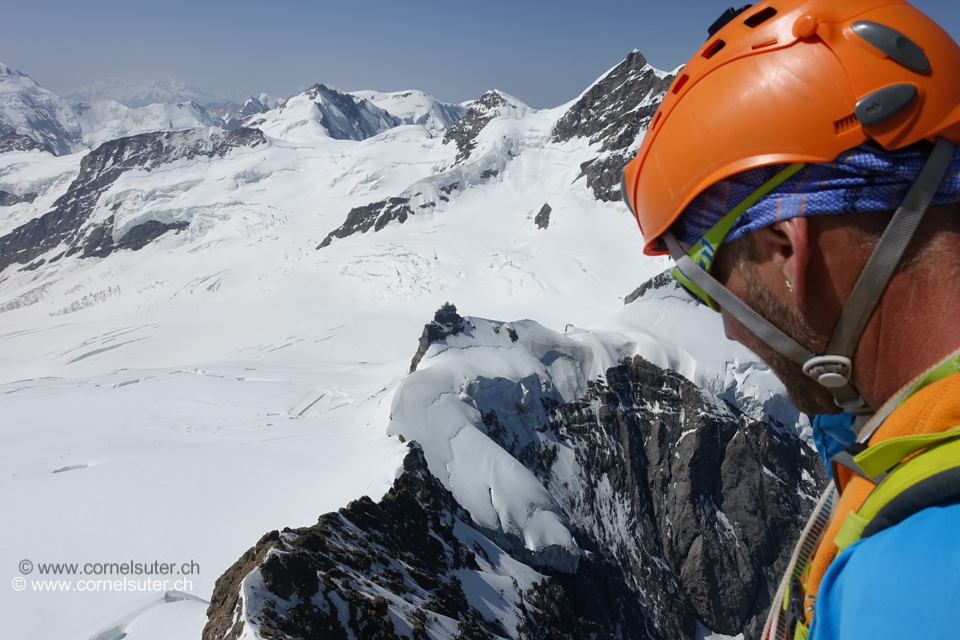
(788, 81)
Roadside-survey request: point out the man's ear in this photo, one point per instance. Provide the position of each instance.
(786, 245)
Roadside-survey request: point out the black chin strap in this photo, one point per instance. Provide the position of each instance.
(835, 369)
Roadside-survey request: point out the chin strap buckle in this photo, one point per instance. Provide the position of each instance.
(832, 372)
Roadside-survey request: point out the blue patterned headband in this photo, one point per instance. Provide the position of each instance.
(866, 178)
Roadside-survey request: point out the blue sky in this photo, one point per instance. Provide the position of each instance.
(544, 53)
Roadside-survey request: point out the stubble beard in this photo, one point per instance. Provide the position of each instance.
(805, 393)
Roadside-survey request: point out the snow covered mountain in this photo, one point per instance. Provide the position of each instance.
(141, 94)
(417, 107)
(109, 120)
(321, 112)
(66, 126)
(27, 109)
(230, 113)
(207, 335)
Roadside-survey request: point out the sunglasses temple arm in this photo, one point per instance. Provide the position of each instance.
(752, 320)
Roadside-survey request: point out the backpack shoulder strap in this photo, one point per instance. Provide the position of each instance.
(929, 478)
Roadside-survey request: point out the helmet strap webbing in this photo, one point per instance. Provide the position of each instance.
(752, 320)
(889, 251)
(834, 371)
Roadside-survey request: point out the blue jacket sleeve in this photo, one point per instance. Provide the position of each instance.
(903, 582)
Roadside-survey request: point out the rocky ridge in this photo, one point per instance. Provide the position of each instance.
(684, 510)
(446, 322)
(64, 231)
(663, 281)
(375, 215)
(614, 113)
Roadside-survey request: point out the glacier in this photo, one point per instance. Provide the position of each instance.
(207, 373)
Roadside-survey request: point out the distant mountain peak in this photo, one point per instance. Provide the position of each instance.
(416, 107)
(491, 105)
(27, 109)
(324, 112)
(141, 94)
(9, 71)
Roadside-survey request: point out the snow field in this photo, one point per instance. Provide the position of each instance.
(230, 379)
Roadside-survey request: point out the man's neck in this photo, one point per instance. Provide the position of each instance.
(914, 327)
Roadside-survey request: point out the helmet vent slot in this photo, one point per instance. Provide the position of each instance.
(846, 124)
(764, 45)
(713, 49)
(725, 19)
(656, 120)
(757, 19)
(681, 81)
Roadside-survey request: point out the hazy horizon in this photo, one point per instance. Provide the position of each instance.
(545, 55)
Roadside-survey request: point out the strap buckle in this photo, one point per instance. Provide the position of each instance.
(832, 372)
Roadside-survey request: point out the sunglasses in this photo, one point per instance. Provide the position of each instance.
(704, 251)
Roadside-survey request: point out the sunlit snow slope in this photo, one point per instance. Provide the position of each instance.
(173, 401)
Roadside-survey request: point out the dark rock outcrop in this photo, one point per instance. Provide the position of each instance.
(609, 113)
(9, 199)
(16, 142)
(372, 216)
(63, 228)
(324, 581)
(446, 322)
(543, 217)
(410, 566)
(464, 133)
(660, 281)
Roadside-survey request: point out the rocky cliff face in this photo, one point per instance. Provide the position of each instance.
(363, 118)
(614, 112)
(719, 497)
(68, 229)
(684, 510)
